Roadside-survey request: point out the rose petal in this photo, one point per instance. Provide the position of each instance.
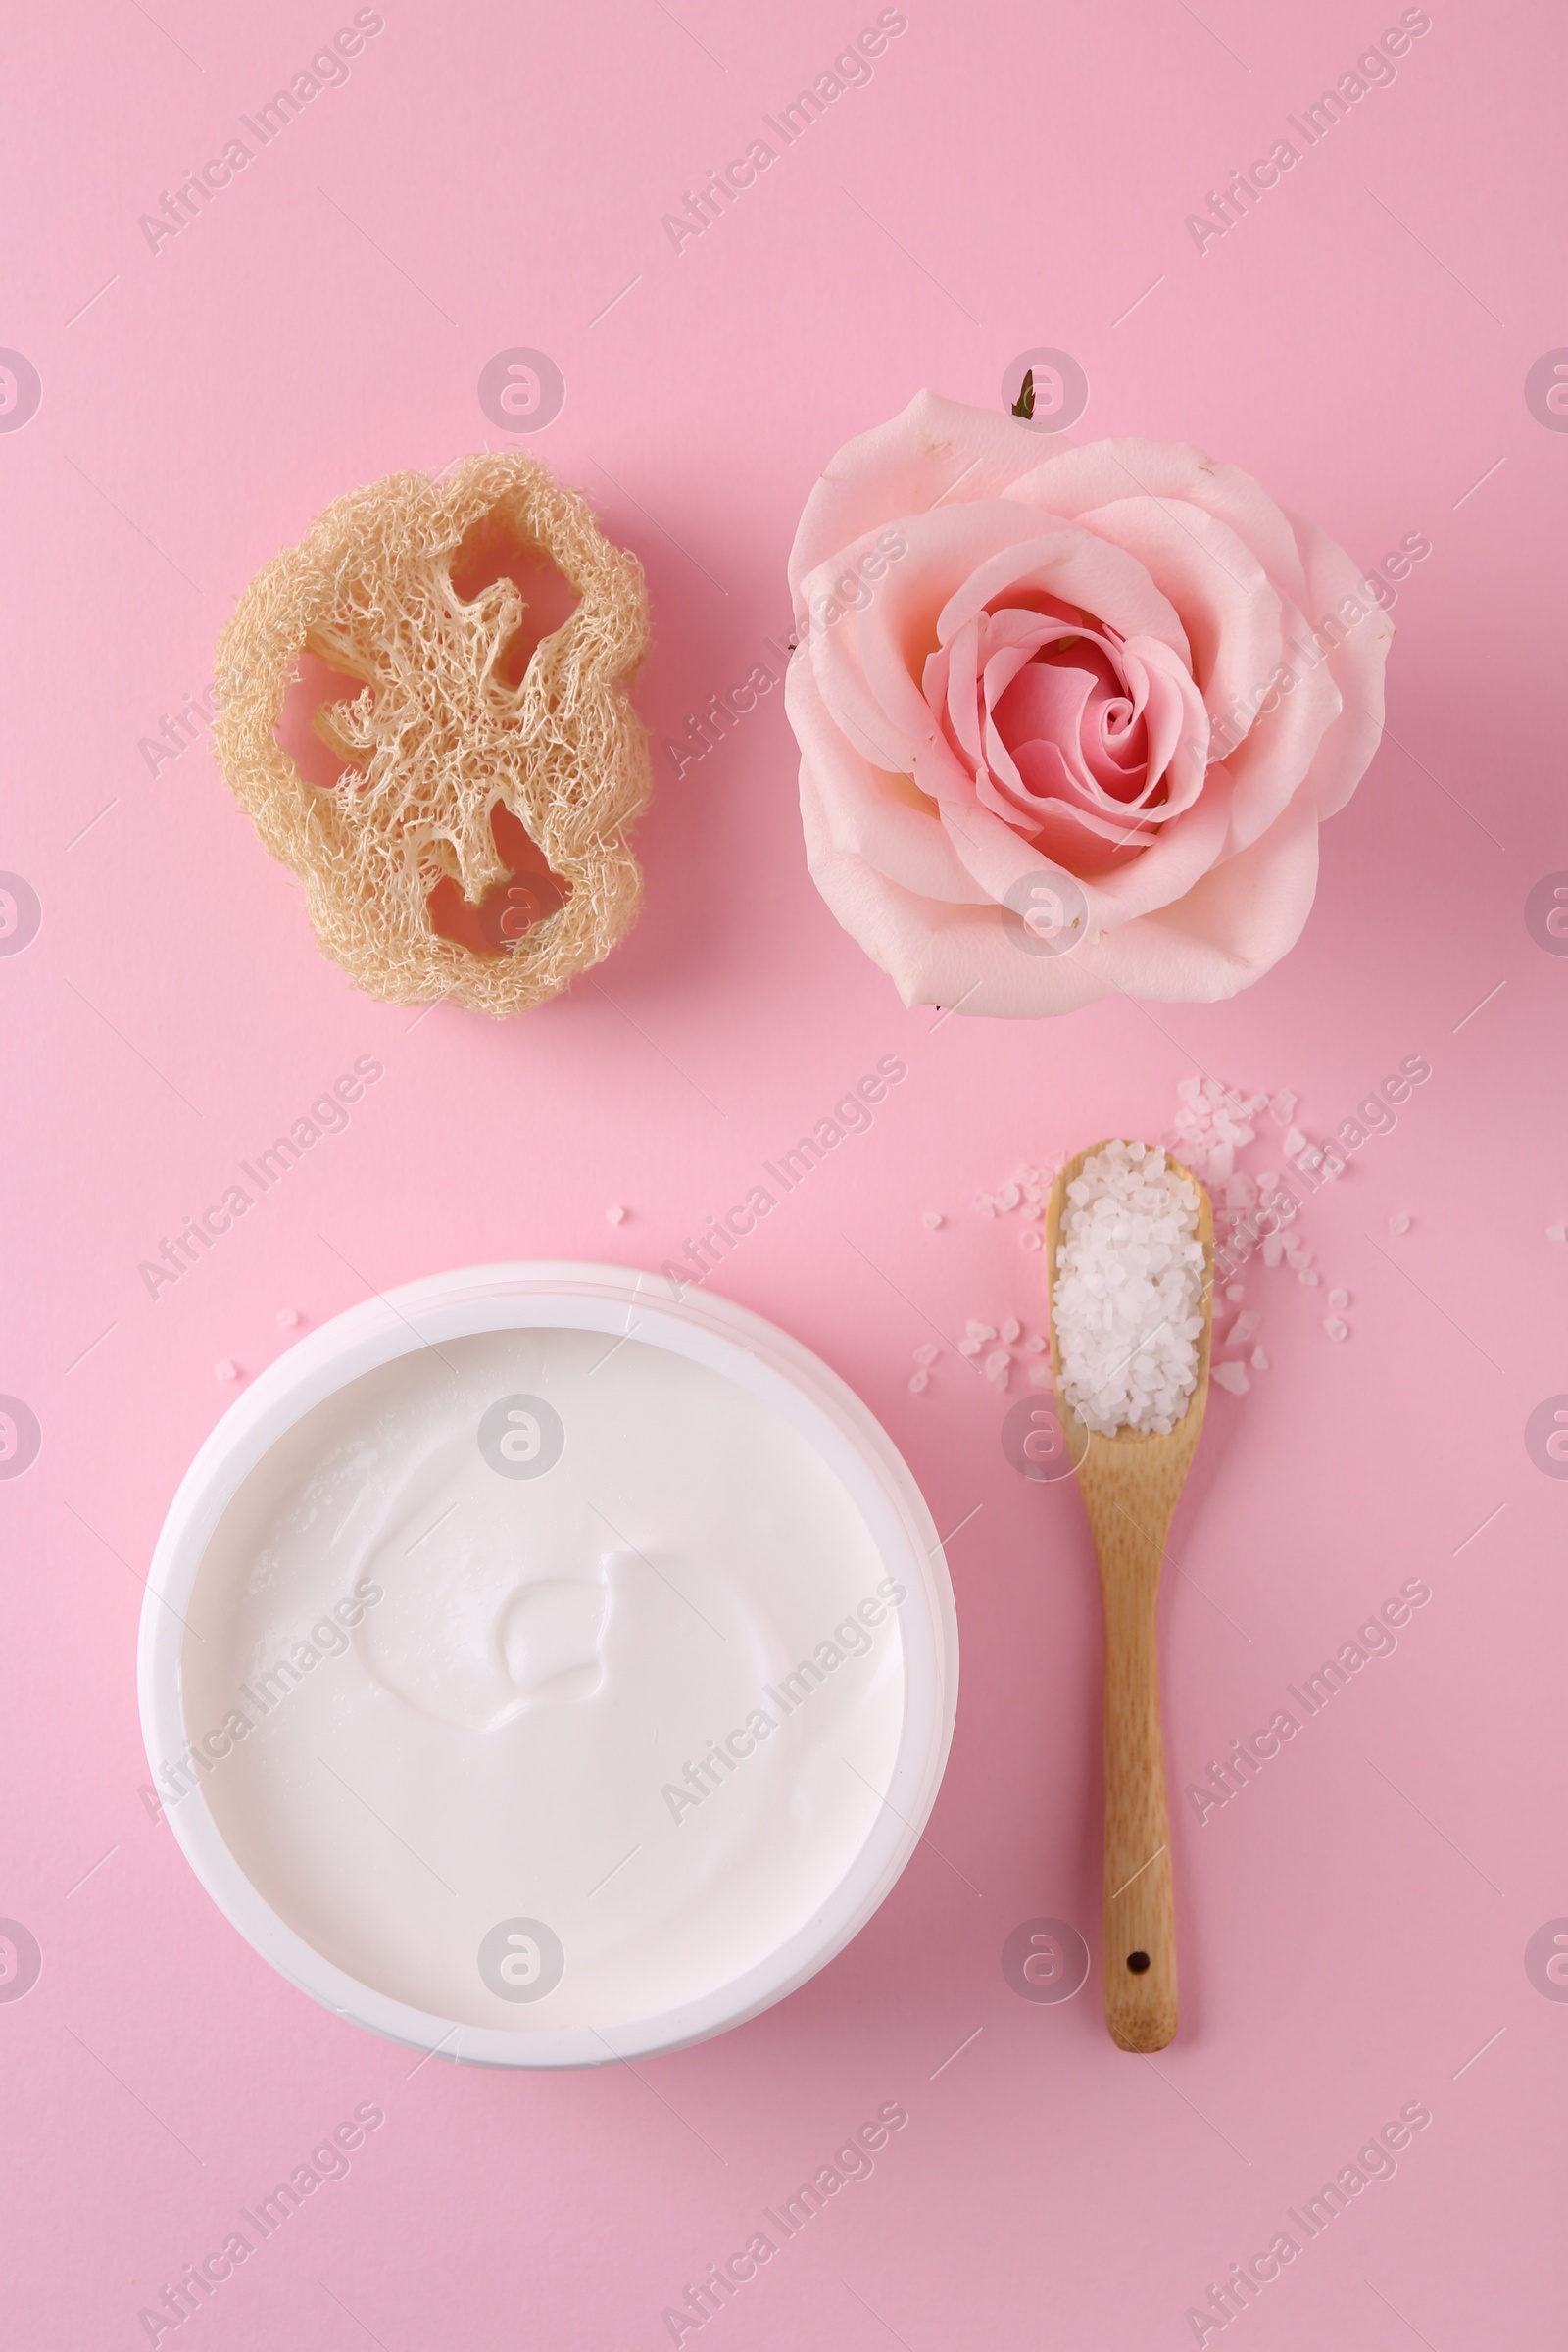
(935, 448)
(1071, 481)
(860, 811)
(1227, 607)
(1356, 665)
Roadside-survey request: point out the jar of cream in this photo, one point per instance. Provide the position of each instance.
(541, 1668)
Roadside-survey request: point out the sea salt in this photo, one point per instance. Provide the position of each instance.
(1233, 1377)
(1338, 1298)
(1129, 1291)
(1398, 1222)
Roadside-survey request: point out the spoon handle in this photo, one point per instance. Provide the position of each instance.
(1139, 1948)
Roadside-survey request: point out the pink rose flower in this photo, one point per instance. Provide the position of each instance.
(1069, 716)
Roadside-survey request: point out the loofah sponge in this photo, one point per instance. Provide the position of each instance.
(437, 738)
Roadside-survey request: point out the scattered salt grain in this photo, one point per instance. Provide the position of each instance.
(1398, 1222)
(1307, 1276)
(288, 1318)
(1128, 1292)
(1029, 1239)
(1338, 1298)
(615, 1214)
(1235, 1292)
(1334, 1328)
(932, 1219)
(1259, 1361)
(999, 1361)
(1010, 1329)
(1283, 1107)
(1557, 1233)
(1242, 1330)
(1231, 1377)
(1273, 1249)
(919, 1381)
(1040, 1376)
(1295, 1143)
(1034, 1345)
(927, 1353)
(1009, 1197)
(224, 1370)
(980, 1331)
(971, 1347)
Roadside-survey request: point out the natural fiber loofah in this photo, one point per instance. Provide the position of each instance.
(437, 738)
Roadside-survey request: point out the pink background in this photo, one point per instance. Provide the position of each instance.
(1355, 1926)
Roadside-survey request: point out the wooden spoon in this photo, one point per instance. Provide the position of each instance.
(1130, 1484)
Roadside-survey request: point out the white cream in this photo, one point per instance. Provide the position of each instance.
(544, 1659)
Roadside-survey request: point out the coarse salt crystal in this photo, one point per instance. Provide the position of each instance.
(1010, 1329)
(1273, 1248)
(1235, 1292)
(1259, 1361)
(999, 1361)
(1034, 1345)
(1128, 1295)
(980, 1331)
(971, 1347)
(1231, 1377)
(927, 1353)
(1242, 1330)
(1029, 1239)
(1557, 1233)
(1338, 1298)
(1398, 1222)
(1283, 1106)
(931, 1220)
(1307, 1276)
(224, 1370)
(1334, 1328)
(1040, 1376)
(919, 1381)
(615, 1214)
